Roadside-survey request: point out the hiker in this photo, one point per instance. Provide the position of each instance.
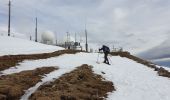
(106, 51)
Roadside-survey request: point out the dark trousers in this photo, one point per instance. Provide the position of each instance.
(105, 58)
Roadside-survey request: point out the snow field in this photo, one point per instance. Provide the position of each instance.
(133, 81)
(15, 46)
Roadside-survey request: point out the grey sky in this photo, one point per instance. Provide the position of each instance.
(136, 25)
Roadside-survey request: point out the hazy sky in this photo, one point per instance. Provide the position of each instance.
(136, 25)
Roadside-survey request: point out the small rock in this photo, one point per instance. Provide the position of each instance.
(103, 72)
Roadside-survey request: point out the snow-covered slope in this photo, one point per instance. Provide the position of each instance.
(133, 81)
(14, 46)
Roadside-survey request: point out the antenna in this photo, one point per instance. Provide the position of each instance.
(75, 37)
(67, 37)
(9, 18)
(56, 38)
(86, 38)
(36, 29)
(80, 38)
(30, 37)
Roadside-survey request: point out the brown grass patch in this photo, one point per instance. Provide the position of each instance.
(80, 84)
(12, 86)
(12, 60)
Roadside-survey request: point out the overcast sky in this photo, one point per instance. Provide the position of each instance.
(136, 25)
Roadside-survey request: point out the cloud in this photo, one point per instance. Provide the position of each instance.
(119, 14)
(159, 52)
(136, 25)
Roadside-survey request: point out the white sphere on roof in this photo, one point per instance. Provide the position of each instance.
(48, 37)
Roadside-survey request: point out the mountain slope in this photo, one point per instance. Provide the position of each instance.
(14, 46)
(131, 79)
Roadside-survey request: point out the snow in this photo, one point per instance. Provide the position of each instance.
(133, 81)
(14, 46)
(14, 33)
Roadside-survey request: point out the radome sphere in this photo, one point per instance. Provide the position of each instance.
(48, 37)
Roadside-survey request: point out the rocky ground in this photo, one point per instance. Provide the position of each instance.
(80, 84)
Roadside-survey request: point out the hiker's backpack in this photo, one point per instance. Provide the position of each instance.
(106, 49)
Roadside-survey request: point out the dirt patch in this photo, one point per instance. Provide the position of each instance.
(161, 71)
(12, 86)
(12, 60)
(80, 84)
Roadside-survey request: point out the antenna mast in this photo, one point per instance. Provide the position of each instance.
(56, 39)
(9, 18)
(75, 37)
(86, 38)
(36, 30)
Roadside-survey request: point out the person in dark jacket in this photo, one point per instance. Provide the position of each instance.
(106, 51)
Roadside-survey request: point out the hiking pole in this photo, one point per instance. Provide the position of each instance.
(110, 60)
(97, 58)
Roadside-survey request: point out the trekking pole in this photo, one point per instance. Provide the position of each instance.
(97, 58)
(110, 60)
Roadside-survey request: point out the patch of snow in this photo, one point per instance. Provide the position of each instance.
(133, 81)
(14, 46)
(14, 33)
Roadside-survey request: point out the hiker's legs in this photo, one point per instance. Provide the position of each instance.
(105, 58)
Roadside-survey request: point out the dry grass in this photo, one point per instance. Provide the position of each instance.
(12, 60)
(12, 86)
(80, 84)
